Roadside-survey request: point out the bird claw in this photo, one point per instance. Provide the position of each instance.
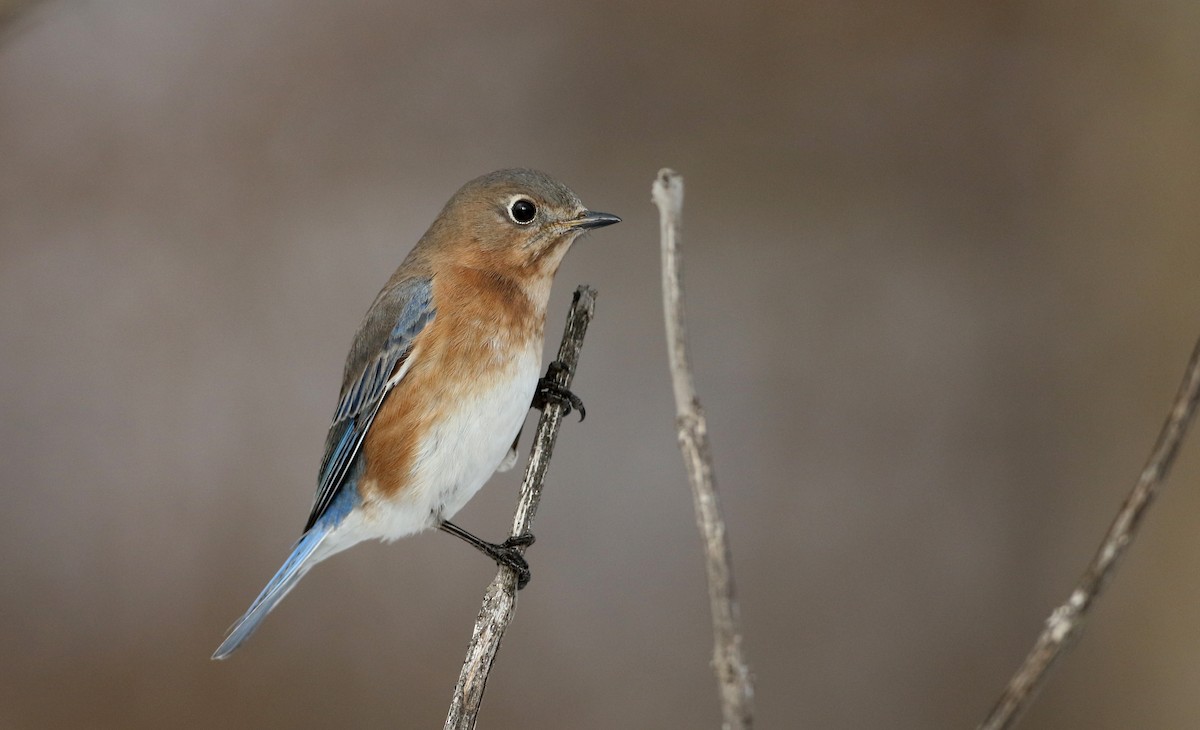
(507, 555)
(549, 391)
(525, 539)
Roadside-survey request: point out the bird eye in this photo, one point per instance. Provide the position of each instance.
(522, 211)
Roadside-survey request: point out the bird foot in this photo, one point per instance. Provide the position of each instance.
(507, 555)
(549, 391)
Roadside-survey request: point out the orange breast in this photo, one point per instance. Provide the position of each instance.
(482, 320)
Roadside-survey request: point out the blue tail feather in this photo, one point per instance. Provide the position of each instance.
(293, 569)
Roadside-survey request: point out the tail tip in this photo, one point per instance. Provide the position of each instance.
(224, 651)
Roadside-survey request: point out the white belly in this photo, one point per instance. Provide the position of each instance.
(463, 451)
(459, 453)
(454, 459)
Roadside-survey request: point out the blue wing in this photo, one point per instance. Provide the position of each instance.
(378, 360)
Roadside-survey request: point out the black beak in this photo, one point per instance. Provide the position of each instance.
(594, 219)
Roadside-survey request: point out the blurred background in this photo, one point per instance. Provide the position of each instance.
(942, 263)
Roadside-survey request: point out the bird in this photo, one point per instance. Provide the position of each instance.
(439, 378)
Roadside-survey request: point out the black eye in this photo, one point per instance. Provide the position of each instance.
(522, 210)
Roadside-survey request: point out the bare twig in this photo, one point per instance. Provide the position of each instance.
(1066, 621)
(733, 675)
(500, 600)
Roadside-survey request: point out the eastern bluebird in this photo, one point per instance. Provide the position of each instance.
(439, 377)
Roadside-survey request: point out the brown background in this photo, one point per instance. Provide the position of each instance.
(942, 266)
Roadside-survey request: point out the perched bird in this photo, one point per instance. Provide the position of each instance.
(440, 376)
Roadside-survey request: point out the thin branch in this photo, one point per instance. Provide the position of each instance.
(1066, 621)
(500, 600)
(734, 682)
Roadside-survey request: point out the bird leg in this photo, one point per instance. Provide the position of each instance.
(505, 553)
(549, 391)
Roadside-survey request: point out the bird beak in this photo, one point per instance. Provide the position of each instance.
(594, 219)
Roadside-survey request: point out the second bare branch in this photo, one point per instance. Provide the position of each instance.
(734, 682)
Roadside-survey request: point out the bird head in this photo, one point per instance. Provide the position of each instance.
(516, 222)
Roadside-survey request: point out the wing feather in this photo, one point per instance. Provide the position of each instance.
(409, 308)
